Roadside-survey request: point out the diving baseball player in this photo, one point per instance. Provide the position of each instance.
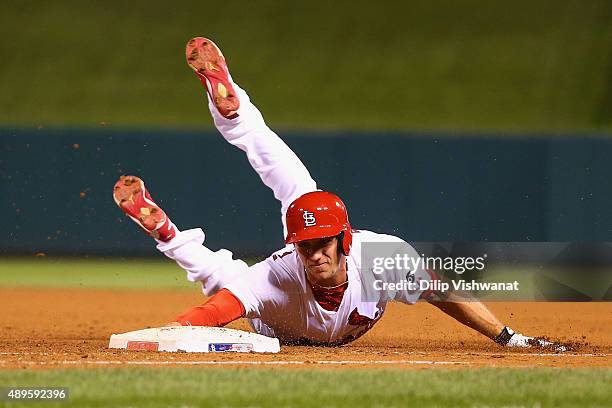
(312, 291)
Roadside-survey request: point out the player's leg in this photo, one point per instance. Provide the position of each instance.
(213, 269)
(133, 198)
(242, 125)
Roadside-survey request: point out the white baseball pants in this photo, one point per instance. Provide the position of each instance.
(278, 167)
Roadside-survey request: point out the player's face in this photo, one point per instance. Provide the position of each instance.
(321, 258)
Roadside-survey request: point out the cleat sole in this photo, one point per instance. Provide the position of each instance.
(207, 61)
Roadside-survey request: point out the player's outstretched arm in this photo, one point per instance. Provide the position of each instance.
(219, 310)
(466, 309)
(471, 313)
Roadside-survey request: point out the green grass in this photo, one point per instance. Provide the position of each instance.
(96, 273)
(170, 387)
(93, 273)
(535, 65)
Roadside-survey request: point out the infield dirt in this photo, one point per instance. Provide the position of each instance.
(58, 328)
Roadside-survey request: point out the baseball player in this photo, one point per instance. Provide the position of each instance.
(312, 291)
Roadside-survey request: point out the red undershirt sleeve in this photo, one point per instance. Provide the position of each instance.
(217, 311)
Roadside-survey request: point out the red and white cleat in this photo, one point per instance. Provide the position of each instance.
(133, 198)
(206, 59)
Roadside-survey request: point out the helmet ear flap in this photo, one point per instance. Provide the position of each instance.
(341, 243)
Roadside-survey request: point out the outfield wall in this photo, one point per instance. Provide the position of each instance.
(55, 190)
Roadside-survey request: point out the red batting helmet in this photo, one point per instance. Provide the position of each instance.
(318, 214)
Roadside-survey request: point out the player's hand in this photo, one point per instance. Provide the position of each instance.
(509, 338)
(518, 340)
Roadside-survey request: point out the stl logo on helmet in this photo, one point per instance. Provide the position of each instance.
(309, 219)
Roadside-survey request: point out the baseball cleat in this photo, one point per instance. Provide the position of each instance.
(207, 61)
(133, 198)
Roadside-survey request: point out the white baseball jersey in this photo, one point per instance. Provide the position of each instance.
(277, 298)
(279, 301)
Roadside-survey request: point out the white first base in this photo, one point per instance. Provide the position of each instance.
(194, 339)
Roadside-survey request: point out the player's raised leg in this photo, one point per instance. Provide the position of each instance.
(132, 197)
(242, 125)
(206, 59)
(213, 269)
